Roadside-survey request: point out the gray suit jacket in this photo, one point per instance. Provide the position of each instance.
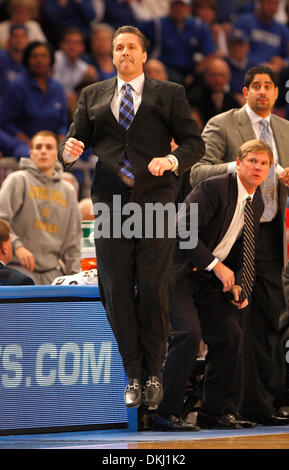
(223, 135)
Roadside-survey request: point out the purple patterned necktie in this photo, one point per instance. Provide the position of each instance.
(126, 116)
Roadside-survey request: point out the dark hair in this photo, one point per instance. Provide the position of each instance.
(30, 48)
(132, 30)
(4, 231)
(259, 69)
(72, 30)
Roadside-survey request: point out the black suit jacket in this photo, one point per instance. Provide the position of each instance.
(164, 113)
(216, 198)
(11, 277)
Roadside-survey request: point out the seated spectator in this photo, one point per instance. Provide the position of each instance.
(238, 61)
(154, 68)
(269, 40)
(69, 69)
(100, 55)
(58, 15)
(22, 12)
(206, 10)
(9, 276)
(11, 57)
(212, 96)
(176, 40)
(34, 100)
(43, 213)
(120, 12)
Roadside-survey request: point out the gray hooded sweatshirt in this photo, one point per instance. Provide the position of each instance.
(44, 217)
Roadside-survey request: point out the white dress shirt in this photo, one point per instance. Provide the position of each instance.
(235, 228)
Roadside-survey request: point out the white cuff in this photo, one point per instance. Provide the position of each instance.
(231, 167)
(212, 265)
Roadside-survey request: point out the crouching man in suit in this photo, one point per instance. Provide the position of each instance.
(9, 276)
(213, 285)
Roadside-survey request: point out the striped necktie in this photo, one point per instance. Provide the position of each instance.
(248, 271)
(126, 116)
(267, 187)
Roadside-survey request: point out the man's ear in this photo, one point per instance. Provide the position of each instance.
(3, 247)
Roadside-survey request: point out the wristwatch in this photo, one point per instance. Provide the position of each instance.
(174, 162)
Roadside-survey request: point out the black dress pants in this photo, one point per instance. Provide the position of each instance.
(136, 285)
(265, 365)
(201, 310)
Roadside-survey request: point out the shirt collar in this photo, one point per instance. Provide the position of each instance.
(137, 84)
(242, 192)
(254, 117)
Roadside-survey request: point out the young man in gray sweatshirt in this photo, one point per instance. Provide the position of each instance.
(43, 212)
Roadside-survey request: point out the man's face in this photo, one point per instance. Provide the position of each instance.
(217, 75)
(268, 8)
(44, 153)
(18, 40)
(261, 94)
(253, 169)
(179, 11)
(128, 56)
(73, 45)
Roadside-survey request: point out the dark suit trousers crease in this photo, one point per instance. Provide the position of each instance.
(265, 365)
(201, 309)
(138, 317)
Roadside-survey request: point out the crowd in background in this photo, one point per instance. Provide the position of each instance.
(50, 50)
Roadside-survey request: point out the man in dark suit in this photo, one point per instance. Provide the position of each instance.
(265, 367)
(130, 121)
(9, 276)
(208, 281)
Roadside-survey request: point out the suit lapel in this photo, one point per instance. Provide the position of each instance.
(245, 126)
(278, 133)
(231, 205)
(149, 97)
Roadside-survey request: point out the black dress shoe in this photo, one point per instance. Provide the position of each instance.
(133, 393)
(207, 420)
(173, 423)
(153, 391)
(271, 420)
(244, 422)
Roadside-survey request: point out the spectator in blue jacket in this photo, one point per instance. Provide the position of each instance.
(61, 14)
(178, 40)
(11, 57)
(269, 39)
(34, 101)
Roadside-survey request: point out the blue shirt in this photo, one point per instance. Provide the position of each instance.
(178, 46)
(266, 40)
(25, 108)
(12, 147)
(78, 14)
(9, 70)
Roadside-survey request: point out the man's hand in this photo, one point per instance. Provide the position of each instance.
(284, 176)
(26, 258)
(236, 291)
(226, 276)
(159, 165)
(73, 148)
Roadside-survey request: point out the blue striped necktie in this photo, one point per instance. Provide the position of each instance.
(248, 271)
(126, 116)
(267, 187)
